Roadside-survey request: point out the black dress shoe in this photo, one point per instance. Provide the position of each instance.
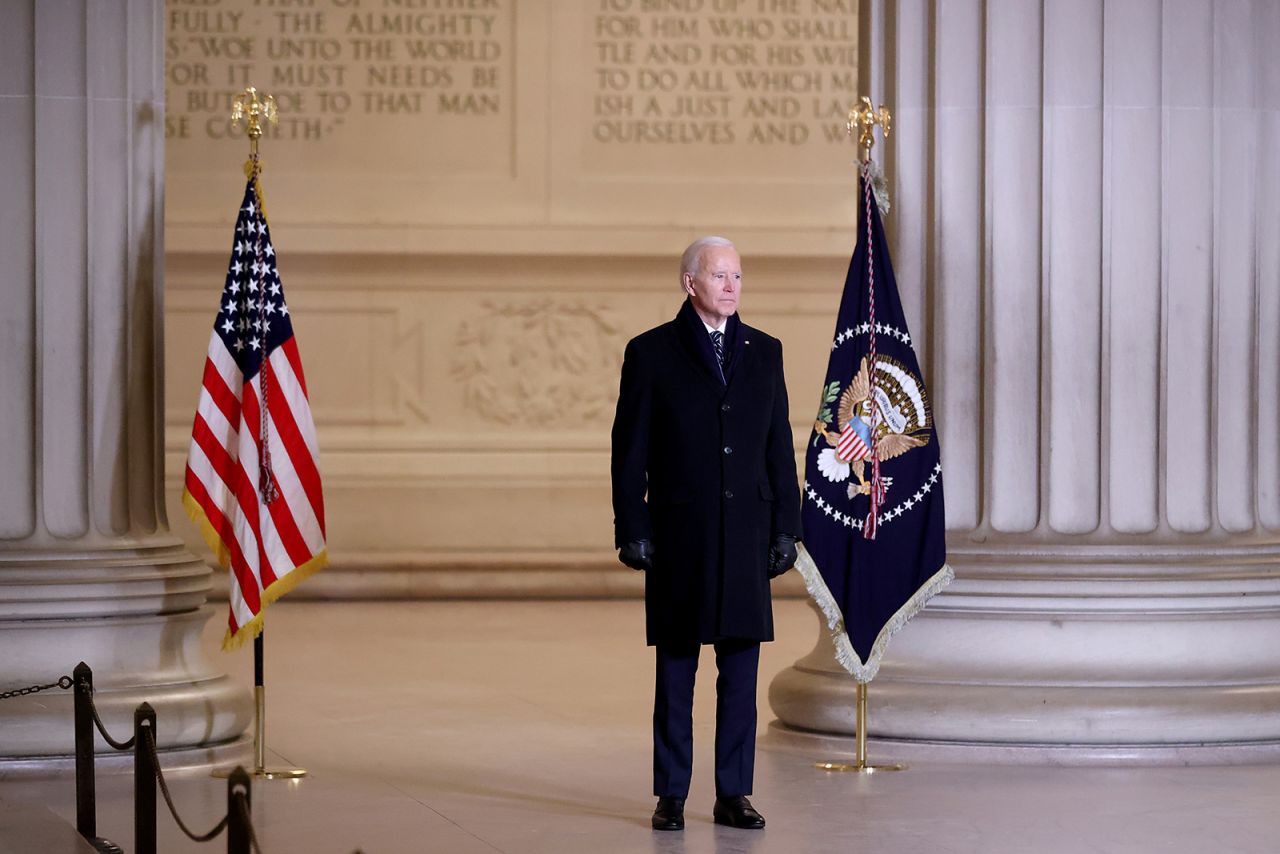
(737, 812)
(669, 815)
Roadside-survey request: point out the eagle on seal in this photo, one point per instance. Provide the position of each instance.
(888, 421)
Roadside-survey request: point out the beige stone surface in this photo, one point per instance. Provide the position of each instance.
(467, 247)
(466, 430)
(519, 124)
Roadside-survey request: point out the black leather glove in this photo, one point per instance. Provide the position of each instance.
(782, 554)
(638, 554)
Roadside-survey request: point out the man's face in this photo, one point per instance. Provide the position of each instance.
(718, 285)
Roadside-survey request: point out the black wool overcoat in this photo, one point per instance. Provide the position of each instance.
(703, 466)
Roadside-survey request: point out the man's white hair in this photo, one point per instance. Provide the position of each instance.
(691, 260)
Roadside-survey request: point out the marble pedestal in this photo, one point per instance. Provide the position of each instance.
(1139, 654)
(88, 568)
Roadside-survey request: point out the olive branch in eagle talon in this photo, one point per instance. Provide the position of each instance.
(889, 420)
(829, 395)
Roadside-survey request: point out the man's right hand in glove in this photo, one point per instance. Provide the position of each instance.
(637, 554)
(782, 554)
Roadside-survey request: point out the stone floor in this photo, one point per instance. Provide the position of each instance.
(523, 727)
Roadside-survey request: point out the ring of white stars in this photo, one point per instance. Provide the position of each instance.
(843, 336)
(887, 516)
(852, 332)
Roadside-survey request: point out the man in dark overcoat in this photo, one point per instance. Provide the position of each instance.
(706, 503)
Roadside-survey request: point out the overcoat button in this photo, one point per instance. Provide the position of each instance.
(728, 450)
(728, 493)
(724, 407)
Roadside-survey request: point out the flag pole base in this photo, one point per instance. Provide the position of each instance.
(280, 773)
(264, 773)
(260, 746)
(857, 769)
(860, 765)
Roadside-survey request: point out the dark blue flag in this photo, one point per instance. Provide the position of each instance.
(874, 548)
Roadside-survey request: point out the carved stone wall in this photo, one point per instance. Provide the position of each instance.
(474, 209)
(464, 404)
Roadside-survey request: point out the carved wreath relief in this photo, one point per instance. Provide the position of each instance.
(539, 363)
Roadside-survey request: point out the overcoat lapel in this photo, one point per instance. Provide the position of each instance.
(741, 359)
(696, 344)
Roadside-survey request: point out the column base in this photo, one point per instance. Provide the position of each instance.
(823, 747)
(1065, 655)
(204, 757)
(157, 659)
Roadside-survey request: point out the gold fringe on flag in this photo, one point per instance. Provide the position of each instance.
(279, 588)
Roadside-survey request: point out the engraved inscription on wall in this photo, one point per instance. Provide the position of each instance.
(718, 74)
(410, 84)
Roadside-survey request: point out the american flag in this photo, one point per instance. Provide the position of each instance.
(259, 504)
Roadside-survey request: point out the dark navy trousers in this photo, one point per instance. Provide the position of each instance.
(736, 665)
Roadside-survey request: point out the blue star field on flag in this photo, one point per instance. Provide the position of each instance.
(253, 318)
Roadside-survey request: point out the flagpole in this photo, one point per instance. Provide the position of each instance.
(860, 765)
(260, 724)
(251, 109)
(254, 111)
(864, 118)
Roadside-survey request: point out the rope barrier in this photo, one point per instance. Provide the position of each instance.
(150, 744)
(102, 730)
(242, 837)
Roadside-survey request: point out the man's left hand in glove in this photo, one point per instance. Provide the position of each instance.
(782, 554)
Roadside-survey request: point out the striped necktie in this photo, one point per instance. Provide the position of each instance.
(717, 342)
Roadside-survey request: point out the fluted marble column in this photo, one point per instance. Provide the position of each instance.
(88, 568)
(1086, 218)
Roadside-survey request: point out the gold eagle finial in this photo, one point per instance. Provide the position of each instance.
(253, 111)
(863, 118)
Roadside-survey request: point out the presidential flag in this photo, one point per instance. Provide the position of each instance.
(874, 550)
(252, 479)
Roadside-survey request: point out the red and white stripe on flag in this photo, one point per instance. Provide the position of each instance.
(850, 446)
(270, 546)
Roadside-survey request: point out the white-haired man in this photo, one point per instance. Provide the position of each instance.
(706, 503)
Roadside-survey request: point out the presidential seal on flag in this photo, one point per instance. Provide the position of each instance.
(874, 549)
(893, 417)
